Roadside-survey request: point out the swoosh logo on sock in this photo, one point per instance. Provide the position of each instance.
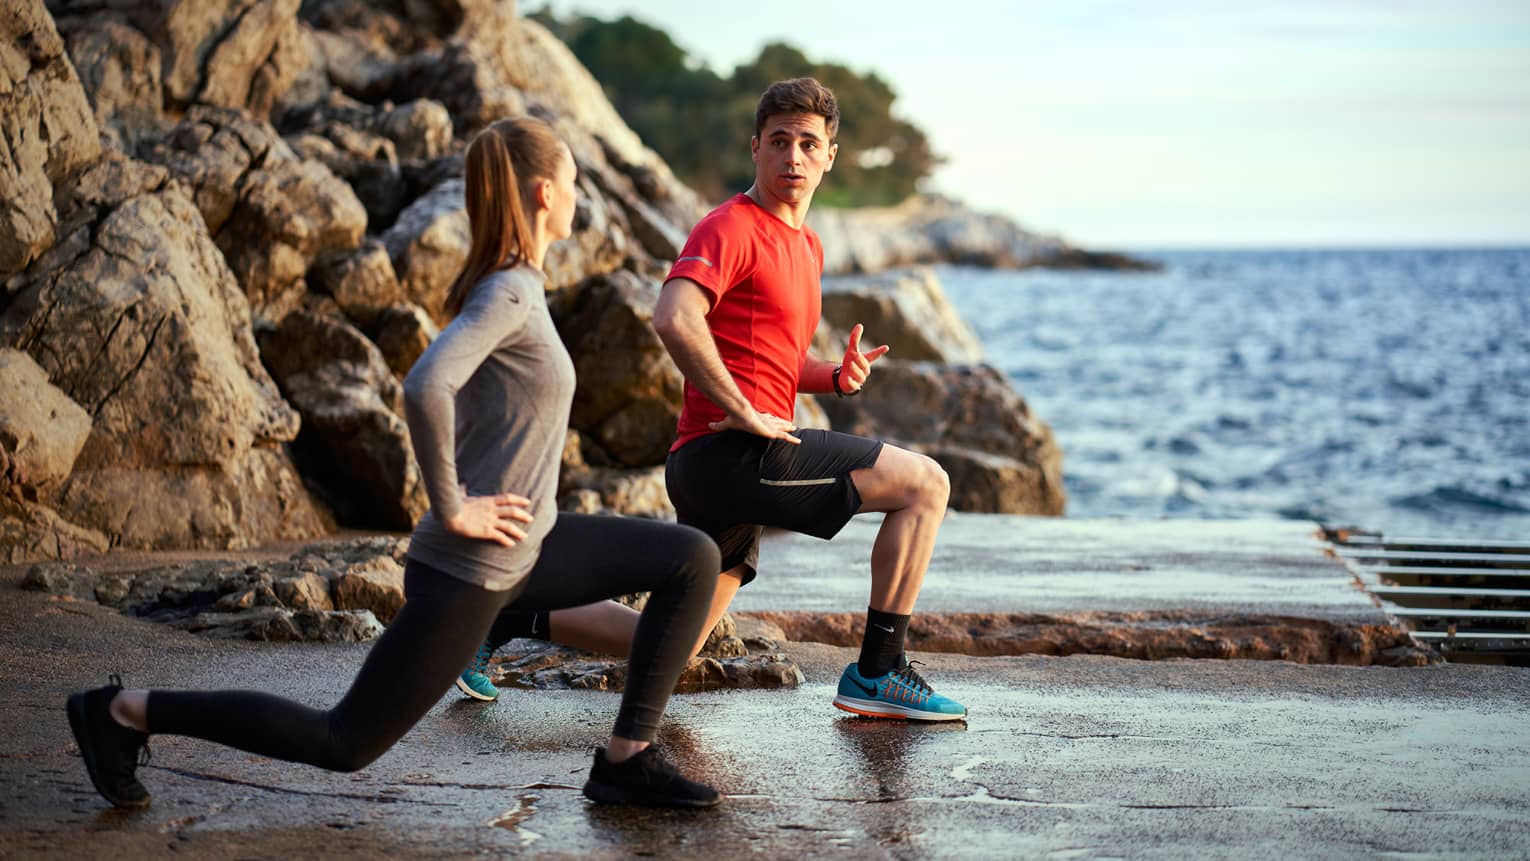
(882, 627)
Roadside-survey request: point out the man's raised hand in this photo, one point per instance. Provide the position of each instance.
(856, 366)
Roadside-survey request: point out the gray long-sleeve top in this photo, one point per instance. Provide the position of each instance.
(487, 407)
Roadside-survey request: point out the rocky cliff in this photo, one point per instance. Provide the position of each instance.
(227, 229)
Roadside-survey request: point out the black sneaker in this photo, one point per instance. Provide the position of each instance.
(112, 752)
(646, 778)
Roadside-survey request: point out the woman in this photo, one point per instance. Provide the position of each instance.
(487, 407)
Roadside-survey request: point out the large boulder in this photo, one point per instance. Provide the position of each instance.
(47, 130)
(354, 442)
(271, 212)
(214, 50)
(428, 245)
(629, 390)
(905, 309)
(41, 430)
(968, 417)
(135, 317)
(119, 68)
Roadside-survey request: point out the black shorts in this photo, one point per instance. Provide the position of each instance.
(732, 484)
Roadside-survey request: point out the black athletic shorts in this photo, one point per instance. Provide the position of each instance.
(732, 484)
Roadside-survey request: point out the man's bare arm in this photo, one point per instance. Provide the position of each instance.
(680, 318)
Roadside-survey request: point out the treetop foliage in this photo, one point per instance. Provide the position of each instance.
(700, 122)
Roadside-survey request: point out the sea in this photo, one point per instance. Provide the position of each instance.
(1387, 390)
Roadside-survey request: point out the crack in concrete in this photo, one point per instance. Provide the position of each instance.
(218, 778)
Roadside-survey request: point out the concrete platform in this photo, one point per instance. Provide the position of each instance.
(1002, 563)
(1062, 757)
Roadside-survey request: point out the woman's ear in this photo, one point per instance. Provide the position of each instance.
(544, 193)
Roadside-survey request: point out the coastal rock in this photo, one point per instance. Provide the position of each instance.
(969, 419)
(270, 212)
(361, 281)
(428, 245)
(934, 229)
(367, 162)
(214, 49)
(285, 600)
(41, 430)
(119, 68)
(628, 395)
(354, 442)
(376, 585)
(29, 531)
(403, 334)
(135, 317)
(905, 309)
(724, 662)
(47, 130)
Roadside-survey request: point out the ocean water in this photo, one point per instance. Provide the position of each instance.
(1383, 389)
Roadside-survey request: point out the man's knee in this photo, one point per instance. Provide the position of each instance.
(934, 484)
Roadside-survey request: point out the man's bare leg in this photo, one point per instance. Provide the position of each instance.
(607, 627)
(913, 489)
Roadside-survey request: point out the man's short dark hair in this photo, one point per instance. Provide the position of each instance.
(798, 96)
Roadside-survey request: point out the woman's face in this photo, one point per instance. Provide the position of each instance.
(563, 198)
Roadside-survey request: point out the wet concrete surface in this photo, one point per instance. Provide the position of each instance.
(1062, 757)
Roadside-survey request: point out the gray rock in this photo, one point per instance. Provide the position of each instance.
(421, 129)
(428, 245)
(376, 585)
(119, 68)
(629, 391)
(135, 317)
(403, 334)
(905, 309)
(47, 130)
(354, 441)
(361, 281)
(41, 429)
(969, 418)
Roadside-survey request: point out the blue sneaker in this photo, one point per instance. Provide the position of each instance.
(900, 695)
(475, 681)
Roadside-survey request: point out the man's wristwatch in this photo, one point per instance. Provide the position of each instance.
(839, 392)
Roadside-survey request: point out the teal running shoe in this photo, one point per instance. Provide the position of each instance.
(474, 681)
(899, 695)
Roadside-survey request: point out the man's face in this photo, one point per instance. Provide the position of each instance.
(791, 154)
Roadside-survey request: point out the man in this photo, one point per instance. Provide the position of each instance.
(737, 313)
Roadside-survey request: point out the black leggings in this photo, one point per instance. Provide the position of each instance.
(584, 559)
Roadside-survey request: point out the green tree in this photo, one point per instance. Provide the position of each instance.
(701, 122)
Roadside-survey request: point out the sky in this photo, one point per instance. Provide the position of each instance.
(1185, 123)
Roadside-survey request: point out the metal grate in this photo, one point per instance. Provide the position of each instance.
(1469, 599)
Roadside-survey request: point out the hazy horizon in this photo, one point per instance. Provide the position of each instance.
(1145, 126)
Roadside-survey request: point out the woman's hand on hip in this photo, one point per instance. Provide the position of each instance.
(495, 518)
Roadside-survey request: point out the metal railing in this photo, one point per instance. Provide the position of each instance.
(1468, 599)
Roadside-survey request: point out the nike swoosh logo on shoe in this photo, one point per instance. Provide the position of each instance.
(870, 691)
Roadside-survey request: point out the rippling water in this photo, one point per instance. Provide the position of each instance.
(1386, 389)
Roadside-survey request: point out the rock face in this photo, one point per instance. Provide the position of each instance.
(47, 130)
(905, 309)
(354, 441)
(41, 430)
(968, 418)
(135, 316)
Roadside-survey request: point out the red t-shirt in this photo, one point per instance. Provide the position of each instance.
(762, 276)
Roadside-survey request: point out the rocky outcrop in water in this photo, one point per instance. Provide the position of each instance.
(934, 229)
